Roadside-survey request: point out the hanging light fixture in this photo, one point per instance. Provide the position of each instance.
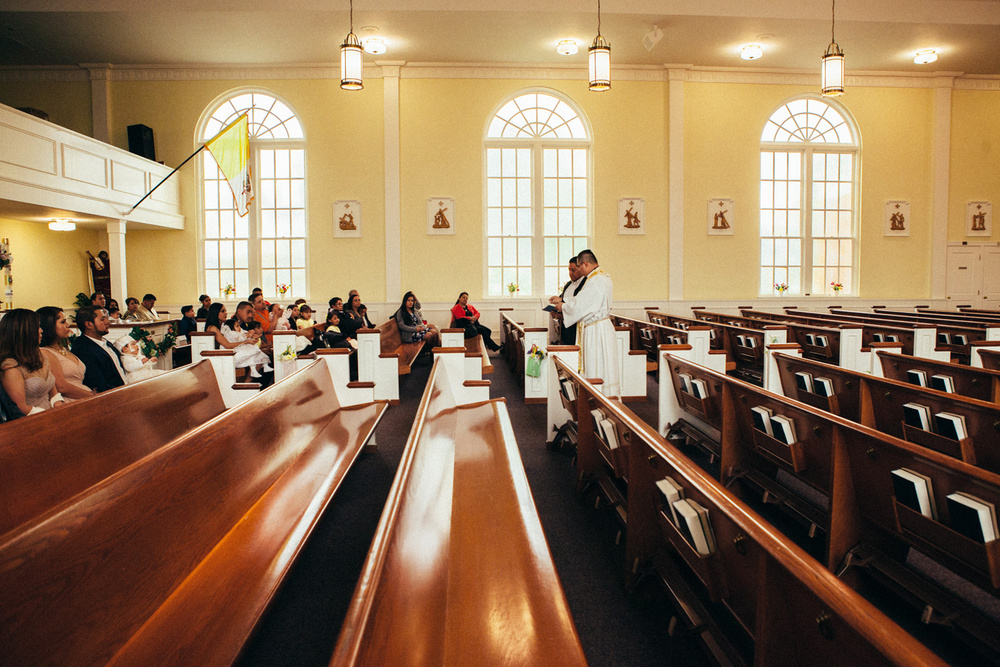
(350, 59)
(832, 74)
(600, 59)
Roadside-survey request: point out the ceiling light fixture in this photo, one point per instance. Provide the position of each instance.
(374, 45)
(567, 47)
(652, 38)
(751, 52)
(925, 56)
(350, 59)
(600, 59)
(832, 72)
(62, 226)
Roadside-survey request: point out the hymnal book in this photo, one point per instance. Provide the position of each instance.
(915, 491)
(675, 340)
(762, 419)
(918, 378)
(891, 338)
(568, 390)
(646, 333)
(950, 425)
(706, 525)
(972, 517)
(917, 416)
(804, 381)
(811, 339)
(711, 334)
(673, 492)
(878, 338)
(943, 383)
(550, 308)
(597, 417)
(741, 339)
(699, 389)
(783, 428)
(689, 522)
(751, 341)
(685, 382)
(821, 341)
(610, 433)
(960, 339)
(944, 339)
(823, 387)
(681, 325)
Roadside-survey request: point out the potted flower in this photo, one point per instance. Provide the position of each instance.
(511, 288)
(282, 289)
(229, 290)
(781, 288)
(836, 286)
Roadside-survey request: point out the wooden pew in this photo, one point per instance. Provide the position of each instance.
(878, 403)
(978, 383)
(517, 342)
(392, 344)
(474, 346)
(787, 608)
(175, 558)
(48, 459)
(459, 571)
(989, 358)
(841, 460)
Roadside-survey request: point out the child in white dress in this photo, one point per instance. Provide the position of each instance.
(135, 364)
(247, 356)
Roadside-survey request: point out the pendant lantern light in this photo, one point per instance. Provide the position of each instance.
(832, 73)
(600, 59)
(350, 59)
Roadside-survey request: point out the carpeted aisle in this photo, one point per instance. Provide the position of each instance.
(616, 627)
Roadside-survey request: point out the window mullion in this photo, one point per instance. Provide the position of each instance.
(805, 274)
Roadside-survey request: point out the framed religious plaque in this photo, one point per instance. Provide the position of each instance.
(631, 215)
(347, 219)
(979, 218)
(897, 218)
(721, 217)
(441, 215)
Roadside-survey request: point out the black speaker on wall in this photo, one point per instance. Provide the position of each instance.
(140, 141)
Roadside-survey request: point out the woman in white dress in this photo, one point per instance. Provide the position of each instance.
(229, 336)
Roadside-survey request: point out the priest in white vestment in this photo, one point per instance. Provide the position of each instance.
(595, 334)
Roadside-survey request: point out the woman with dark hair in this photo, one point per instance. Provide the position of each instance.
(350, 319)
(412, 326)
(229, 335)
(466, 316)
(132, 314)
(24, 372)
(206, 302)
(114, 310)
(65, 366)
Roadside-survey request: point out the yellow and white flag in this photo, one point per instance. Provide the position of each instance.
(231, 150)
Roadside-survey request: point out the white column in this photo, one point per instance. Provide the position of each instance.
(941, 156)
(116, 255)
(393, 243)
(675, 170)
(99, 100)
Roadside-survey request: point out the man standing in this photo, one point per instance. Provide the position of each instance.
(102, 360)
(146, 312)
(268, 318)
(590, 309)
(577, 279)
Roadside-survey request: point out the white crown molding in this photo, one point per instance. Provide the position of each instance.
(434, 70)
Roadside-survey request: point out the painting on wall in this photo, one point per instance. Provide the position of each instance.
(721, 217)
(979, 218)
(897, 218)
(347, 219)
(631, 215)
(441, 215)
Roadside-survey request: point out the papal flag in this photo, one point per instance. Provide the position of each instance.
(231, 150)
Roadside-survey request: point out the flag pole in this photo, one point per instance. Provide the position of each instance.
(200, 149)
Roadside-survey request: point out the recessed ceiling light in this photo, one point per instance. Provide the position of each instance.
(925, 56)
(62, 226)
(567, 47)
(751, 52)
(374, 45)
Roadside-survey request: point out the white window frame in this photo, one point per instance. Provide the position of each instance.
(806, 150)
(536, 145)
(253, 251)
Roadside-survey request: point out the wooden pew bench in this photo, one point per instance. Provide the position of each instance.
(51, 457)
(459, 572)
(474, 347)
(978, 383)
(787, 608)
(989, 358)
(392, 344)
(175, 558)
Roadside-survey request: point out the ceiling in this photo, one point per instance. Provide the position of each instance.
(876, 36)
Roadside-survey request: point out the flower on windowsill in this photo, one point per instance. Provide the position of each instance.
(6, 259)
(229, 290)
(537, 352)
(511, 288)
(836, 286)
(282, 288)
(288, 354)
(781, 287)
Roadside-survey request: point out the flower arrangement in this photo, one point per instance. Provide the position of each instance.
(288, 354)
(149, 347)
(282, 288)
(836, 286)
(533, 365)
(536, 352)
(511, 288)
(781, 287)
(229, 289)
(6, 259)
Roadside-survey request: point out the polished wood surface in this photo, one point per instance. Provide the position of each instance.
(979, 383)
(459, 572)
(49, 458)
(391, 343)
(202, 528)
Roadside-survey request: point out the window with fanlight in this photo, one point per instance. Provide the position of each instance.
(267, 247)
(809, 174)
(538, 192)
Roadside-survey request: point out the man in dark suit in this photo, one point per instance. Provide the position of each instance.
(103, 361)
(576, 281)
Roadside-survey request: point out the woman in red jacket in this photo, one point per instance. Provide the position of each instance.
(466, 316)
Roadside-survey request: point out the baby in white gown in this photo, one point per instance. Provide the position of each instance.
(136, 365)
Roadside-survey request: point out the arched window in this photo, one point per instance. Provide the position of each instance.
(267, 248)
(809, 166)
(538, 192)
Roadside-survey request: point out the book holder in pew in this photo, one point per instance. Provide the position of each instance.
(789, 456)
(958, 449)
(708, 569)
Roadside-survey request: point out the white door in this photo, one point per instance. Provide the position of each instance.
(991, 277)
(964, 282)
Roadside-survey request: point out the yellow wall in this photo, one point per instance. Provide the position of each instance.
(50, 268)
(443, 122)
(975, 159)
(66, 102)
(722, 128)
